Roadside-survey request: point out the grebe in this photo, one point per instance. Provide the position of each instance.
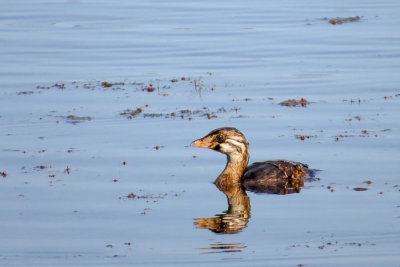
(275, 176)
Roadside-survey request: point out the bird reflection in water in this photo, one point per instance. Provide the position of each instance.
(221, 247)
(274, 177)
(235, 218)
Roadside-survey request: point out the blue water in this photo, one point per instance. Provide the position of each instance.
(245, 57)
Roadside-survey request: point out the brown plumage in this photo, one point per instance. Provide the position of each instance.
(276, 176)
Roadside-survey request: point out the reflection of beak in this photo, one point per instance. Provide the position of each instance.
(203, 142)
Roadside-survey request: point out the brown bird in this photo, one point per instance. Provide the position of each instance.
(275, 176)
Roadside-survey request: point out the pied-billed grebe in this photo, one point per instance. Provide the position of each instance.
(276, 176)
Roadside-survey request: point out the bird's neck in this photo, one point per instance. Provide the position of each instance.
(234, 169)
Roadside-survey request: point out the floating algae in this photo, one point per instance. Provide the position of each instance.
(335, 21)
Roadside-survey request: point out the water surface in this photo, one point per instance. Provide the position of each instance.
(64, 199)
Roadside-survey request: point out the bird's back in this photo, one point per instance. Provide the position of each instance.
(276, 177)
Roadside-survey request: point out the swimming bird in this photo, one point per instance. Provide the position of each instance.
(273, 176)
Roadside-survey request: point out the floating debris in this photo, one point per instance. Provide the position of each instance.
(131, 113)
(183, 113)
(246, 99)
(76, 119)
(360, 189)
(67, 170)
(210, 116)
(79, 118)
(106, 84)
(304, 137)
(294, 103)
(332, 244)
(335, 21)
(330, 188)
(56, 85)
(150, 88)
(131, 195)
(358, 117)
(150, 196)
(25, 92)
(364, 133)
(387, 97)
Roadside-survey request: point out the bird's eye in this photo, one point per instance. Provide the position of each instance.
(219, 138)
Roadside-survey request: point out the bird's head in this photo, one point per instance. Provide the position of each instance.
(227, 140)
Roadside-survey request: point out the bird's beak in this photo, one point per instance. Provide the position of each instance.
(200, 143)
(204, 142)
